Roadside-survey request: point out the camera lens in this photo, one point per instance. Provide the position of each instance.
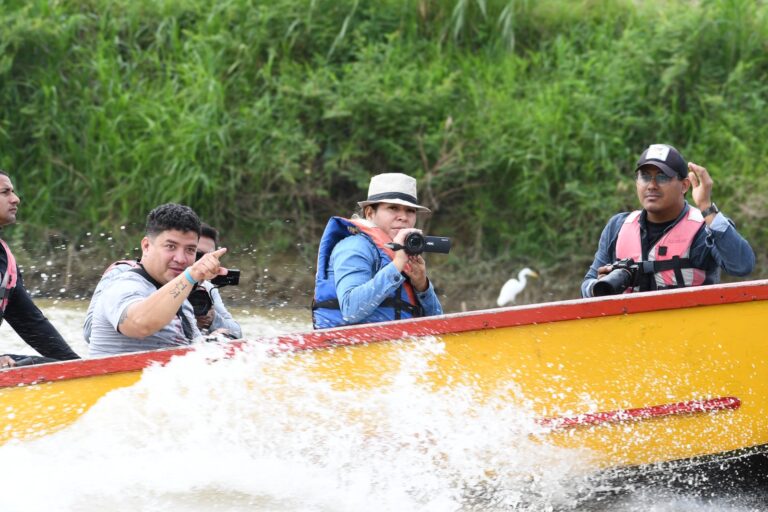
(201, 301)
(414, 243)
(614, 283)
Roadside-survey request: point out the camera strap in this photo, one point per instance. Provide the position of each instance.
(186, 326)
(6, 293)
(676, 264)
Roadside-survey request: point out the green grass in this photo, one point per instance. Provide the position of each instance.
(521, 118)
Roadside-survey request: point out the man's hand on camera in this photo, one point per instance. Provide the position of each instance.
(205, 321)
(604, 271)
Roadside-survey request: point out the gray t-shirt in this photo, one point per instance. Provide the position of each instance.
(127, 288)
(104, 282)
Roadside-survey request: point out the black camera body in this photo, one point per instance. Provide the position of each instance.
(623, 276)
(201, 299)
(416, 243)
(231, 279)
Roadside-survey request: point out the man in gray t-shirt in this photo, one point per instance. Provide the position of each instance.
(109, 276)
(146, 308)
(128, 288)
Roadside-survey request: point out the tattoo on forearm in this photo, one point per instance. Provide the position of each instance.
(180, 287)
(123, 316)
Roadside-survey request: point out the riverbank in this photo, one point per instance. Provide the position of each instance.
(287, 279)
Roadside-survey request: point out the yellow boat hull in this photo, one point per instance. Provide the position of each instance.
(636, 379)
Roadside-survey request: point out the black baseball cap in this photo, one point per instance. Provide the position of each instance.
(665, 158)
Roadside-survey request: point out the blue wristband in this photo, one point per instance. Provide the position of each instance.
(188, 275)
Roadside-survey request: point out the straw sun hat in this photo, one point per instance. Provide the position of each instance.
(393, 187)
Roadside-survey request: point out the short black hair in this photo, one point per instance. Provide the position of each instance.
(209, 231)
(172, 216)
(4, 173)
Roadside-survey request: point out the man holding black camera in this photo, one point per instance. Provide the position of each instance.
(365, 272)
(669, 243)
(210, 312)
(146, 308)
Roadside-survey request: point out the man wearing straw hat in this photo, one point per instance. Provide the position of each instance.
(362, 280)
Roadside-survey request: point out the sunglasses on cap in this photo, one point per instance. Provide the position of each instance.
(660, 178)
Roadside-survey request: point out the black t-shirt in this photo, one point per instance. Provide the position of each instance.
(654, 231)
(29, 322)
(650, 236)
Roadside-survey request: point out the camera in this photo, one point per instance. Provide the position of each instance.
(416, 243)
(201, 301)
(622, 276)
(231, 279)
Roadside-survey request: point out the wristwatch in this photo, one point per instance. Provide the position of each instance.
(709, 211)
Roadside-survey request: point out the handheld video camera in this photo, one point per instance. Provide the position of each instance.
(416, 243)
(623, 276)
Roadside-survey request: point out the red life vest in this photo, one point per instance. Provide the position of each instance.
(671, 254)
(8, 282)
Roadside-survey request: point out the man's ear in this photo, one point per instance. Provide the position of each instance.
(686, 185)
(144, 245)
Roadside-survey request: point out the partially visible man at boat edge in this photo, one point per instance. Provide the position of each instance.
(362, 280)
(216, 317)
(672, 243)
(146, 308)
(16, 305)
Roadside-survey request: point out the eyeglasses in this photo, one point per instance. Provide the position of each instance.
(660, 178)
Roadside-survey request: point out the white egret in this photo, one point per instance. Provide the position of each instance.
(514, 286)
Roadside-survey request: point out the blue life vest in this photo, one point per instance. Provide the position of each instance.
(326, 311)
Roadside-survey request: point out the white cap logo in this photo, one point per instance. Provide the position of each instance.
(657, 152)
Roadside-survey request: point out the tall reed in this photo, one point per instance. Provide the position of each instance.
(521, 118)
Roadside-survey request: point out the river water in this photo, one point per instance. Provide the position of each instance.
(258, 433)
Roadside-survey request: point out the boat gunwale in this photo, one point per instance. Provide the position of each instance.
(575, 309)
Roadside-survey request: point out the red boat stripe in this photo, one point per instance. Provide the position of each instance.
(447, 324)
(643, 413)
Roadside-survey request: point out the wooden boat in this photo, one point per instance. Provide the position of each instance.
(635, 379)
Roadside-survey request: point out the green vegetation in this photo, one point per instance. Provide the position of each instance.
(522, 119)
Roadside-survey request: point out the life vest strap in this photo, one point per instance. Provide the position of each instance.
(676, 263)
(389, 302)
(6, 293)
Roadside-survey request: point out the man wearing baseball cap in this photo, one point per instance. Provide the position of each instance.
(673, 243)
